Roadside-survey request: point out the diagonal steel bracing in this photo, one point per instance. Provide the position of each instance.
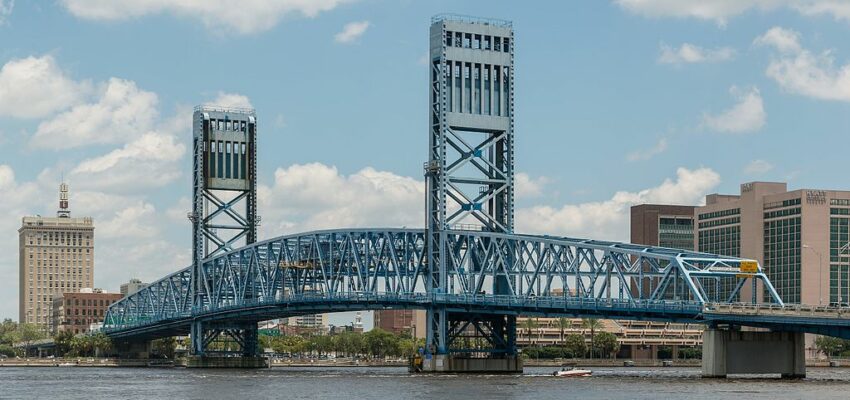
(366, 269)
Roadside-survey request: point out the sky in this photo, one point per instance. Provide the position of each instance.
(618, 103)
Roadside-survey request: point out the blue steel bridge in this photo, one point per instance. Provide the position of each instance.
(467, 268)
(372, 269)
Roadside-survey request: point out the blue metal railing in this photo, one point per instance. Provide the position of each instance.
(321, 303)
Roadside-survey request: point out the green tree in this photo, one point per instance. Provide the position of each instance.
(351, 343)
(8, 330)
(563, 324)
(829, 345)
(29, 333)
(291, 344)
(593, 324)
(381, 343)
(63, 342)
(575, 345)
(323, 344)
(7, 350)
(81, 345)
(165, 346)
(528, 323)
(606, 344)
(101, 344)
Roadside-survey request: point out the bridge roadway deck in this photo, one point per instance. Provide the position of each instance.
(820, 320)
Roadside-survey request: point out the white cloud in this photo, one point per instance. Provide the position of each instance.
(839, 9)
(231, 100)
(316, 196)
(720, 11)
(351, 32)
(747, 115)
(34, 87)
(122, 112)
(134, 221)
(528, 187)
(784, 40)
(800, 71)
(18, 199)
(609, 219)
(178, 212)
(646, 154)
(239, 16)
(758, 167)
(149, 161)
(690, 54)
(6, 7)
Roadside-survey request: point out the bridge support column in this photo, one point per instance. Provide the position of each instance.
(746, 352)
(243, 335)
(471, 343)
(132, 349)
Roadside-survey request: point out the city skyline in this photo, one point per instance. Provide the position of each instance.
(132, 174)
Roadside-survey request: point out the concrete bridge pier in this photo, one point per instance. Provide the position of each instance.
(749, 352)
(445, 363)
(132, 349)
(245, 335)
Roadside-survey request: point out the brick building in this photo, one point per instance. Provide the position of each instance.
(77, 311)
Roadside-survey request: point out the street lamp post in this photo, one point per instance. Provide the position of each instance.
(846, 251)
(820, 273)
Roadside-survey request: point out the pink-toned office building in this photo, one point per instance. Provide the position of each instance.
(800, 237)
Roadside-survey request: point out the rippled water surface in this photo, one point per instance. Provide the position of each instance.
(396, 383)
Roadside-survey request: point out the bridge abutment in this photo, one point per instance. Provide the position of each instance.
(749, 352)
(442, 363)
(244, 362)
(244, 336)
(132, 349)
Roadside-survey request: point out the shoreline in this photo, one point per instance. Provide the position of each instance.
(619, 363)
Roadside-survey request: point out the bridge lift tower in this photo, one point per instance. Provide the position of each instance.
(470, 178)
(224, 215)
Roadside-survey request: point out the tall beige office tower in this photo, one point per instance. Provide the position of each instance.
(56, 255)
(800, 237)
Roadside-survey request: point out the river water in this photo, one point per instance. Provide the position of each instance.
(395, 383)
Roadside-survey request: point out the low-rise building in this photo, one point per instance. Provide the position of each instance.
(407, 322)
(133, 286)
(76, 312)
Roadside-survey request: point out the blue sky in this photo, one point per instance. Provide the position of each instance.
(617, 103)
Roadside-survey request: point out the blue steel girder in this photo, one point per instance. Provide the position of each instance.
(390, 268)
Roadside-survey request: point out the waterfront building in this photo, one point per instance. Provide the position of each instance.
(800, 237)
(663, 225)
(310, 323)
(79, 312)
(408, 322)
(132, 286)
(638, 340)
(55, 256)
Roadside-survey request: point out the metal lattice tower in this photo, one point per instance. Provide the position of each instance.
(470, 168)
(224, 203)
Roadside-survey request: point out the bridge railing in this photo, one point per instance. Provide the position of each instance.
(796, 310)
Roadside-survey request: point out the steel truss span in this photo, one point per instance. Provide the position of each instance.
(363, 269)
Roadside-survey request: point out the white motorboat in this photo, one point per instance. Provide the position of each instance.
(572, 373)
